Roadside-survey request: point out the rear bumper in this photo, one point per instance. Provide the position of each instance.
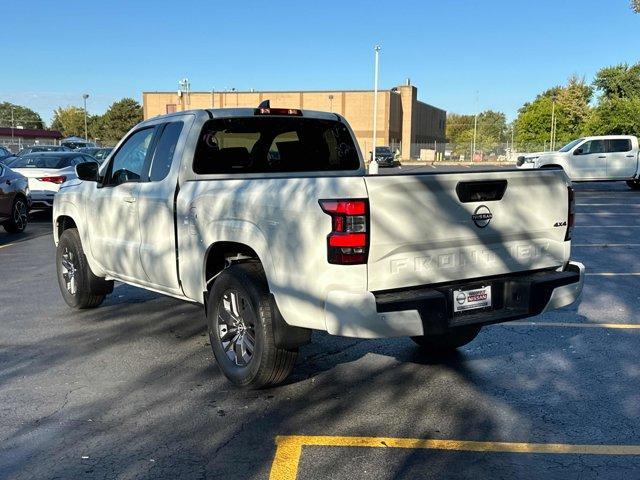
(42, 198)
(424, 311)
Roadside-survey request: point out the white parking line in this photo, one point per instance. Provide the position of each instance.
(612, 274)
(605, 245)
(607, 205)
(608, 214)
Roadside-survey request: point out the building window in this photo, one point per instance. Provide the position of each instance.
(171, 108)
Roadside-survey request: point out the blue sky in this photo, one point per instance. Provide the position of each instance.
(507, 51)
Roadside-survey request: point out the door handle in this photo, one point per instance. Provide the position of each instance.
(602, 156)
(631, 156)
(130, 199)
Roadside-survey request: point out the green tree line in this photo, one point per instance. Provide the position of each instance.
(609, 105)
(107, 128)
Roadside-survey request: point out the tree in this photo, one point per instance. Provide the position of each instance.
(490, 133)
(69, 121)
(635, 4)
(533, 124)
(120, 118)
(615, 116)
(22, 116)
(619, 81)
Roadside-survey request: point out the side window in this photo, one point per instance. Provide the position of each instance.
(619, 145)
(126, 165)
(592, 146)
(166, 147)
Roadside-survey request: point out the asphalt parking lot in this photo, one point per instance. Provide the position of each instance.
(130, 390)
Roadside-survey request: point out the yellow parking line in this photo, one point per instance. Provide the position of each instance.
(6, 245)
(621, 326)
(289, 448)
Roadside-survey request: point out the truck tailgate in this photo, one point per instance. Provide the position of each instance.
(443, 227)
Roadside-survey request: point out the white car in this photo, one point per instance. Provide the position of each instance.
(268, 218)
(46, 171)
(602, 158)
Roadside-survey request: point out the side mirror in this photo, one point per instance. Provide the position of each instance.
(88, 171)
(578, 151)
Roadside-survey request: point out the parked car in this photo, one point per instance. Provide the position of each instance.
(5, 153)
(195, 205)
(88, 150)
(42, 148)
(46, 171)
(102, 154)
(75, 143)
(385, 157)
(602, 158)
(15, 200)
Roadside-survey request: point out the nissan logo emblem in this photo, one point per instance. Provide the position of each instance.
(461, 298)
(482, 216)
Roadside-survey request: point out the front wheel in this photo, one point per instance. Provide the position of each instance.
(240, 319)
(633, 184)
(19, 216)
(447, 342)
(80, 288)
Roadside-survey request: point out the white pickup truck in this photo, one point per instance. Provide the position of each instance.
(610, 157)
(268, 218)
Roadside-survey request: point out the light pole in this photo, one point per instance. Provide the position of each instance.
(475, 130)
(331, 103)
(84, 98)
(376, 50)
(12, 127)
(552, 141)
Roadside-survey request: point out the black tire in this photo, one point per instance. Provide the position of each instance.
(235, 330)
(19, 216)
(80, 288)
(446, 343)
(633, 184)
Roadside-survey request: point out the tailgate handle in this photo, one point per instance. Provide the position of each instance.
(481, 191)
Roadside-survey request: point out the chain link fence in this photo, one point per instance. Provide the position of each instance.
(458, 152)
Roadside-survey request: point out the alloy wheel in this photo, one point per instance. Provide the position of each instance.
(236, 328)
(69, 271)
(20, 215)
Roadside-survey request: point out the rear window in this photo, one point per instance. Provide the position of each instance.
(619, 145)
(41, 161)
(274, 144)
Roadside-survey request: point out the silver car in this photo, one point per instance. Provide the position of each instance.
(46, 171)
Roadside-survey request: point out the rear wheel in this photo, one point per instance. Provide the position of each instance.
(19, 216)
(240, 319)
(447, 342)
(80, 288)
(634, 184)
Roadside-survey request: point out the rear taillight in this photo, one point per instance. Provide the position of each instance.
(348, 242)
(57, 179)
(572, 213)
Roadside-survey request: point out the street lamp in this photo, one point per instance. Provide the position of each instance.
(376, 50)
(12, 127)
(552, 141)
(84, 98)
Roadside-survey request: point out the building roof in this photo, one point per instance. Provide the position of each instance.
(29, 133)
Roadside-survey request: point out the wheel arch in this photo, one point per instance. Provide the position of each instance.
(64, 222)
